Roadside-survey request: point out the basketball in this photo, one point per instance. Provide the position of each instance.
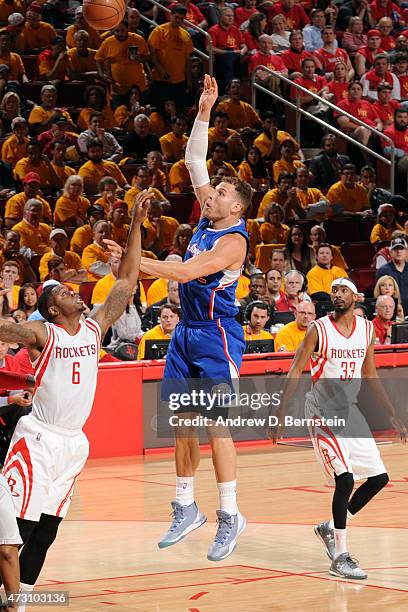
(104, 14)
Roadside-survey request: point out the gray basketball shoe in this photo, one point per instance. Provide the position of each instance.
(326, 535)
(230, 527)
(346, 567)
(185, 520)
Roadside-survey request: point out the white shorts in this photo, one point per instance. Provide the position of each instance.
(41, 467)
(9, 533)
(340, 452)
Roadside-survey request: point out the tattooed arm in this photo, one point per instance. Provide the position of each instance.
(33, 335)
(118, 297)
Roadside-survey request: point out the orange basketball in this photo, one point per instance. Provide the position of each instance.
(104, 14)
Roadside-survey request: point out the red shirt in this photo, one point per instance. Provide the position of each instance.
(340, 90)
(250, 41)
(193, 13)
(293, 60)
(381, 329)
(46, 140)
(229, 39)
(10, 365)
(403, 79)
(363, 110)
(387, 43)
(243, 14)
(329, 60)
(378, 11)
(386, 111)
(296, 17)
(314, 85)
(365, 51)
(400, 139)
(374, 80)
(274, 62)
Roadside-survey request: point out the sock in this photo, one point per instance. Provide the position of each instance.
(331, 524)
(24, 588)
(228, 496)
(350, 516)
(340, 539)
(185, 490)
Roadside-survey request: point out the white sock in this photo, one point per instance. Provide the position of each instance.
(331, 524)
(185, 490)
(24, 588)
(340, 539)
(350, 516)
(228, 496)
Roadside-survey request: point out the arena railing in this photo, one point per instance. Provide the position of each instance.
(210, 57)
(255, 86)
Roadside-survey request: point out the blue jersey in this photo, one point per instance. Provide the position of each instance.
(210, 297)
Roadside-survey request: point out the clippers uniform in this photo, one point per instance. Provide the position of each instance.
(208, 343)
(48, 449)
(336, 375)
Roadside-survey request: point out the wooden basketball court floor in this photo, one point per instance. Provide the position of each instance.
(106, 554)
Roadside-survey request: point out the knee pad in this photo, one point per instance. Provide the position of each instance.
(26, 528)
(46, 530)
(380, 481)
(345, 483)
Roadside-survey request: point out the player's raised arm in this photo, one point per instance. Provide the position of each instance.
(197, 146)
(128, 275)
(32, 334)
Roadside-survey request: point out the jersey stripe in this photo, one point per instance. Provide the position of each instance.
(40, 373)
(95, 327)
(228, 356)
(38, 362)
(62, 504)
(213, 292)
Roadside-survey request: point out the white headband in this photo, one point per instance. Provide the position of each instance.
(345, 282)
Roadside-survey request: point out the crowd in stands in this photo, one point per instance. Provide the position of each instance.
(89, 119)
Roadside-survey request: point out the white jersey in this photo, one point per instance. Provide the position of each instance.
(66, 374)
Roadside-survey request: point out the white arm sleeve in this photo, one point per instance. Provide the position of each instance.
(196, 153)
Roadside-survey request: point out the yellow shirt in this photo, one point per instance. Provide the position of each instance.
(169, 226)
(320, 279)
(234, 149)
(157, 124)
(62, 172)
(338, 259)
(157, 291)
(125, 72)
(172, 146)
(242, 287)
(281, 165)
(379, 233)
(252, 227)
(81, 64)
(123, 118)
(35, 238)
(245, 172)
(212, 168)
(81, 238)
(272, 195)
(352, 200)
(120, 234)
(178, 175)
(271, 234)
(264, 143)
(130, 196)
(156, 333)
(108, 118)
(173, 47)
(12, 151)
(262, 335)
(91, 254)
(24, 166)
(92, 173)
(289, 336)
(94, 38)
(309, 196)
(17, 6)
(241, 114)
(15, 290)
(105, 284)
(65, 208)
(45, 65)
(15, 63)
(41, 115)
(15, 207)
(71, 260)
(38, 38)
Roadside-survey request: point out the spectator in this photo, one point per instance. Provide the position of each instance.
(7, 182)
(95, 256)
(108, 188)
(27, 299)
(377, 195)
(219, 153)
(96, 168)
(284, 194)
(15, 205)
(56, 269)
(179, 177)
(318, 236)
(140, 182)
(398, 133)
(228, 47)
(253, 169)
(325, 168)
(386, 224)
(295, 292)
(300, 255)
(125, 113)
(15, 147)
(271, 138)
(388, 286)
(364, 58)
(59, 242)
(257, 289)
(293, 57)
(221, 131)
(172, 297)
(348, 195)
(181, 239)
(273, 286)
(82, 24)
(71, 207)
(244, 13)
(379, 74)
(257, 314)
(53, 62)
(168, 319)
(36, 34)
(287, 162)
(385, 106)
(58, 165)
(350, 8)
(10, 251)
(33, 234)
(11, 59)
(56, 12)
(42, 117)
(362, 109)
(383, 255)
(82, 57)
(82, 236)
(290, 337)
(127, 329)
(354, 38)
(121, 61)
(384, 8)
(321, 276)
(254, 31)
(9, 109)
(400, 68)
(160, 229)
(118, 216)
(313, 202)
(112, 151)
(280, 34)
(312, 33)
(312, 82)
(330, 54)
(398, 266)
(105, 284)
(172, 143)
(157, 176)
(279, 260)
(384, 309)
(141, 141)
(39, 164)
(241, 114)
(294, 14)
(265, 56)
(95, 100)
(9, 290)
(273, 230)
(385, 27)
(59, 131)
(171, 47)
(161, 120)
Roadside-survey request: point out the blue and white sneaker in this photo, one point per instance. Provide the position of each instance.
(230, 527)
(185, 519)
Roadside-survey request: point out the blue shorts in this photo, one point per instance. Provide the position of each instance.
(203, 355)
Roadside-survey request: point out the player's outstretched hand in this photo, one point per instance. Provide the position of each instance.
(114, 249)
(142, 205)
(209, 94)
(399, 427)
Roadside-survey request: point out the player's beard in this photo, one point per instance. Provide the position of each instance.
(342, 307)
